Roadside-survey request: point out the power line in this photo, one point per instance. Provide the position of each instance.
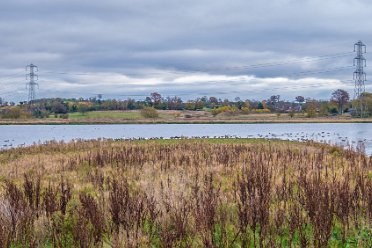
(263, 65)
(325, 57)
(255, 66)
(302, 73)
(257, 89)
(248, 80)
(242, 80)
(11, 76)
(266, 89)
(33, 75)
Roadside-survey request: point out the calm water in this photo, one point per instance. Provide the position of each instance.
(340, 134)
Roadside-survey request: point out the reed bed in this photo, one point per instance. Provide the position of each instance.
(185, 193)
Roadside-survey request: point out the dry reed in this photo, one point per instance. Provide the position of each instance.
(185, 193)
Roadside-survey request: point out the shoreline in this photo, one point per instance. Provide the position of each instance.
(160, 121)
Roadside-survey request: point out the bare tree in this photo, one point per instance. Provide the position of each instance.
(273, 100)
(300, 99)
(155, 97)
(341, 97)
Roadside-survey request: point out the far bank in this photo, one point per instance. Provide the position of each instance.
(178, 117)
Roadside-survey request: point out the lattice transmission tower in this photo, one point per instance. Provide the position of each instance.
(360, 78)
(31, 85)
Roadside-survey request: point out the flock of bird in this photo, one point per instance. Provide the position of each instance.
(324, 137)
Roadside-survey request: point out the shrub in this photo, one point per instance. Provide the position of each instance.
(149, 112)
(63, 116)
(261, 111)
(227, 110)
(40, 113)
(245, 110)
(311, 113)
(13, 113)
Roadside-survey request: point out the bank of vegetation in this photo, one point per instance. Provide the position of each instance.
(185, 193)
(70, 109)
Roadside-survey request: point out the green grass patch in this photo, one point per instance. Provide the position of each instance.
(106, 114)
(125, 115)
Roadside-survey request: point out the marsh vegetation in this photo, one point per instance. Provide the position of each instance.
(185, 193)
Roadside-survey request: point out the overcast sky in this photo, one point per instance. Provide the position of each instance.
(191, 48)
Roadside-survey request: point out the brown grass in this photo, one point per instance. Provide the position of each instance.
(185, 193)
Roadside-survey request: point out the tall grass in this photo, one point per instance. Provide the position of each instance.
(186, 193)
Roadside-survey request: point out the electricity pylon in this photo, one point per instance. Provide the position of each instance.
(359, 78)
(31, 84)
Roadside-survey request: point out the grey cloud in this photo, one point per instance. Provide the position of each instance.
(176, 37)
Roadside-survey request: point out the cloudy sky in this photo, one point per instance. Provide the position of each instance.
(225, 48)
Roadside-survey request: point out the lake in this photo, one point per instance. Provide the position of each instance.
(341, 134)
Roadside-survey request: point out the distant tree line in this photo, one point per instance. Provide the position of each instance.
(339, 103)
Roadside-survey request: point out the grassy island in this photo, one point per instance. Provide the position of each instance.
(185, 193)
